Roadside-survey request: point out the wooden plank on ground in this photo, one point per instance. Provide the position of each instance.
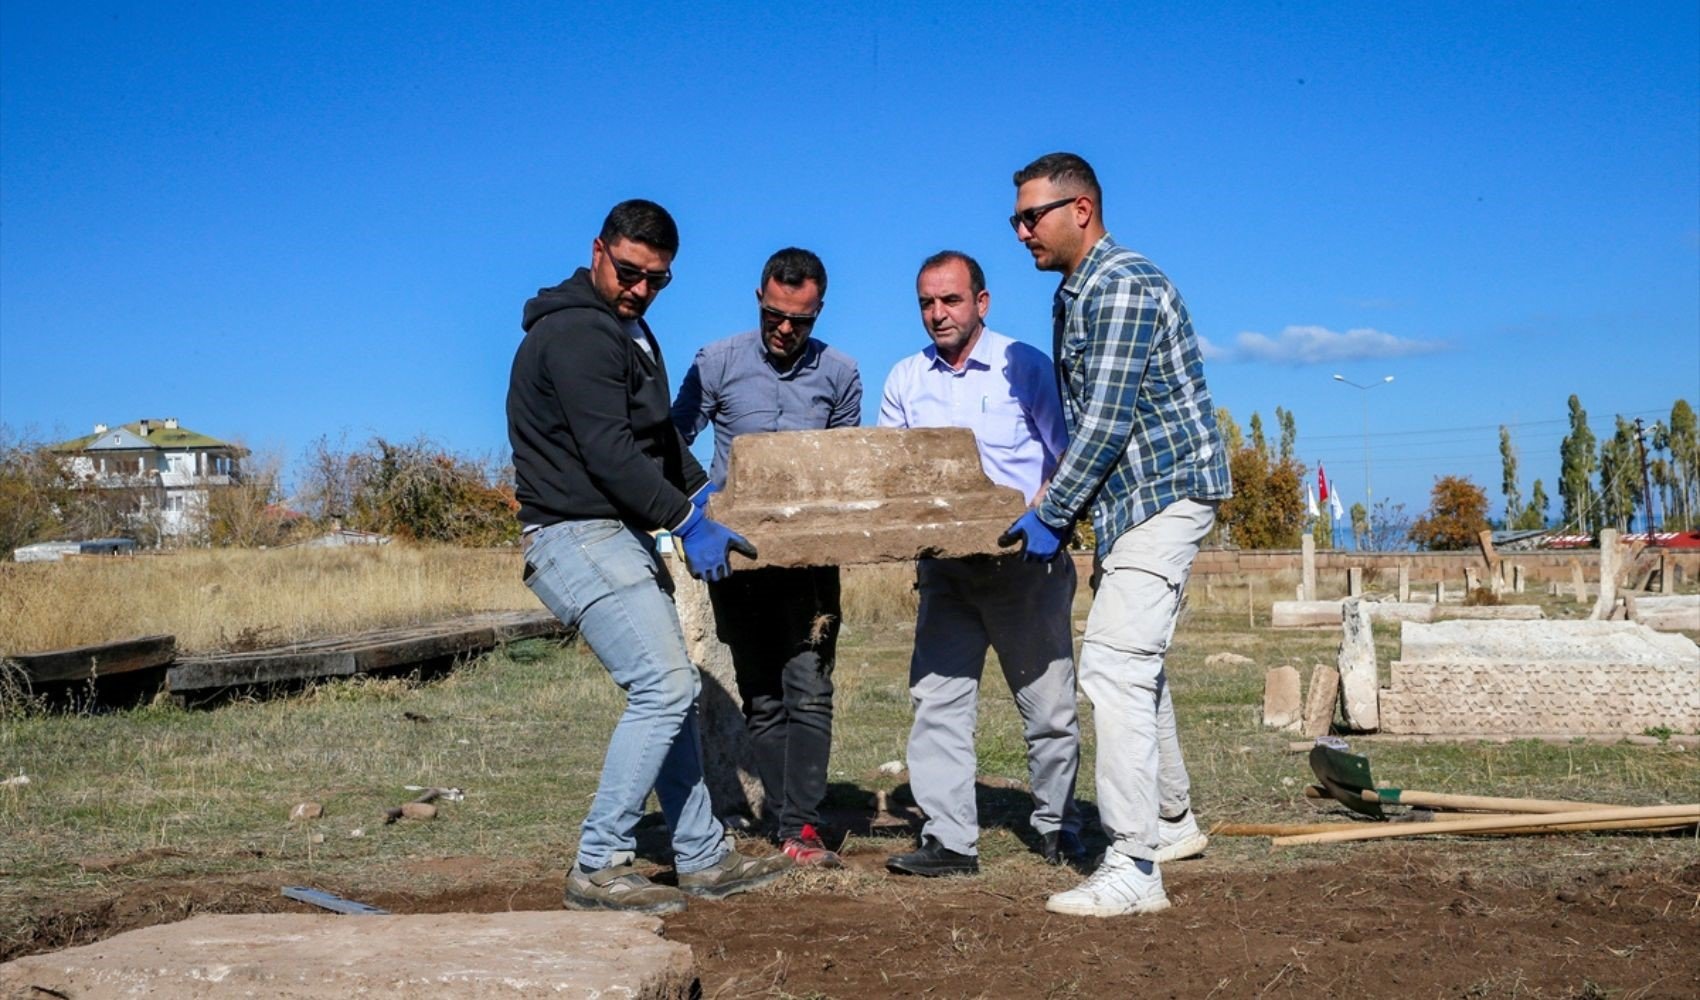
(344, 656)
(92, 662)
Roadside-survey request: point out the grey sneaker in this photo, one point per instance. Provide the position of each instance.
(734, 873)
(619, 888)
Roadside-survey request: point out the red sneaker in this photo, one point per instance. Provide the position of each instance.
(807, 850)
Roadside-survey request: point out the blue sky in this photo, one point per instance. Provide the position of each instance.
(281, 221)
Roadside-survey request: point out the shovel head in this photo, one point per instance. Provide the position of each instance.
(1346, 776)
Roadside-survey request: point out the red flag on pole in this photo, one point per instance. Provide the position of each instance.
(1322, 483)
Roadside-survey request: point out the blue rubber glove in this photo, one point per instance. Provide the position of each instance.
(1043, 541)
(699, 499)
(708, 545)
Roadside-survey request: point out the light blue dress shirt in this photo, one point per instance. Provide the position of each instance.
(734, 385)
(1006, 394)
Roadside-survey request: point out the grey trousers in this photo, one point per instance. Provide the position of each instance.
(1138, 597)
(1022, 611)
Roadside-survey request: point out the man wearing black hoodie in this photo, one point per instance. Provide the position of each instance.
(598, 466)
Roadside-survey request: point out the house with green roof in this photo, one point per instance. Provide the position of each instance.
(169, 469)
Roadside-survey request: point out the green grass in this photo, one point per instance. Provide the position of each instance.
(523, 731)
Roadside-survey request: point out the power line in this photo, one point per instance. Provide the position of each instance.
(1513, 426)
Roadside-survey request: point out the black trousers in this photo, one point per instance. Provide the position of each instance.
(782, 628)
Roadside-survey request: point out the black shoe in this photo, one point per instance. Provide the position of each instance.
(933, 859)
(1061, 846)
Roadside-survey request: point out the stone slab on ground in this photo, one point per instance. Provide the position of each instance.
(1492, 612)
(1579, 677)
(290, 955)
(1290, 614)
(1669, 614)
(1282, 706)
(1297, 614)
(862, 495)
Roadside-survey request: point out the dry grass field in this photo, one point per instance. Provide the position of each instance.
(217, 599)
(148, 814)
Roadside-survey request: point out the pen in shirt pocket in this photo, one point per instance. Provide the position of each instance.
(983, 403)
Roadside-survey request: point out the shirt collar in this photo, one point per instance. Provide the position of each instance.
(976, 354)
(1076, 282)
(809, 359)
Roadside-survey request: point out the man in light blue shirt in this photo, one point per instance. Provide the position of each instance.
(1006, 393)
(781, 625)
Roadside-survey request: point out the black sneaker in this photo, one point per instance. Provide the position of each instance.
(933, 859)
(1061, 846)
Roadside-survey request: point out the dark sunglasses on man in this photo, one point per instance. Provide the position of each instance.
(630, 274)
(1030, 217)
(799, 321)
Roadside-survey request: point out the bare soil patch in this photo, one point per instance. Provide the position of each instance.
(1380, 921)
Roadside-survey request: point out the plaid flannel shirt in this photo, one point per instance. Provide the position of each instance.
(1142, 430)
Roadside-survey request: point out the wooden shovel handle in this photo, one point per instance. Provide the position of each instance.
(1439, 800)
(1683, 814)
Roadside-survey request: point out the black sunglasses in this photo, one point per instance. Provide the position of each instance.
(1030, 217)
(799, 321)
(630, 274)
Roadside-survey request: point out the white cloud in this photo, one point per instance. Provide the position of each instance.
(1209, 350)
(1316, 345)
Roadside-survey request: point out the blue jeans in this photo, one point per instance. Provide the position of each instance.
(605, 579)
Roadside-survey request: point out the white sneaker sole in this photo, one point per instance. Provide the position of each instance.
(1180, 850)
(1089, 909)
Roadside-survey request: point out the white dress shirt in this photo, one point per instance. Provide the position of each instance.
(1006, 393)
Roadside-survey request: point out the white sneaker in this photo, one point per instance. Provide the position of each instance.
(1179, 839)
(1117, 888)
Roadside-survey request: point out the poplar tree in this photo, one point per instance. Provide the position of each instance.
(1620, 477)
(1232, 439)
(1533, 516)
(1258, 441)
(1684, 448)
(1508, 476)
(1577, 461)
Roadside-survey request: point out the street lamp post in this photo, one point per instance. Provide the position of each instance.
(1369, 495)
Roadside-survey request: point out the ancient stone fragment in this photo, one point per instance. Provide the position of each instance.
(862, 495)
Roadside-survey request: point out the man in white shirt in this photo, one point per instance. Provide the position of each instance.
(1006, 393)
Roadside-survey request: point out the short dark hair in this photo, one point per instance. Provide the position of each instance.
(1066, 170)
(641, 221)
(792, 267)
(976, 277)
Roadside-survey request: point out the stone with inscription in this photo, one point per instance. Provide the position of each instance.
(862, 495)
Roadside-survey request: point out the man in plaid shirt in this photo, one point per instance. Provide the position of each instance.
(1146, 462)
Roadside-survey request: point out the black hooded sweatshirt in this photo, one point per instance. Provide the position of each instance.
(588, 417)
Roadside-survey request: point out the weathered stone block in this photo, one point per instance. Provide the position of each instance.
(1668, 614)
(1321, 699)
(1291, 614)
(1281, 703)
(291, 955)
(862, 495)
(1358, 681)
(1575, 677)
